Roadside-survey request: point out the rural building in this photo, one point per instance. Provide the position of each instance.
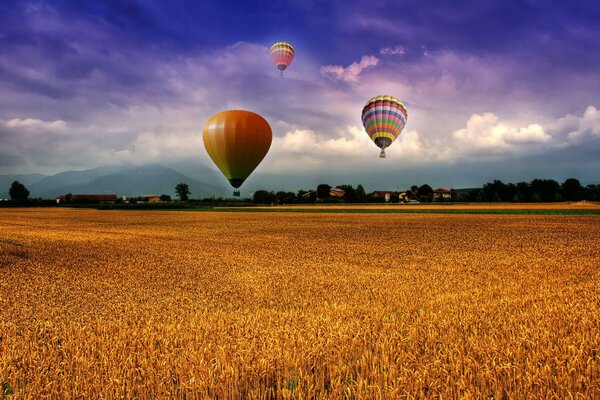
(87, 198)
(151, 198)
(442, 194)
(335, 192)
(386, 194)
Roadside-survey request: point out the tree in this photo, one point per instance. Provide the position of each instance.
(425, 193)
(545, 190)
(183, 191)
(165, 197)
(571, 190)
(349, 193)
(18, 192)
(591, 192)
(523, 192)
(361, 195)
(413, 193)
(285, 197)
(263, 197)
(493, 191)
(306, 196)
(323, 191)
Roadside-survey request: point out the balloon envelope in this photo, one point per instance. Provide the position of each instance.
(384, 118)
(282, 54)
(237, 141)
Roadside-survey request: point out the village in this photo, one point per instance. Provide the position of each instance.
(324, 193)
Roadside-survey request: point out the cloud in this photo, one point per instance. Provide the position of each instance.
(306, 142)
(351, 72)
(74, 98)
(37, 125)
(351, 148)
(393, 51)
(484, 133)
(586, 127)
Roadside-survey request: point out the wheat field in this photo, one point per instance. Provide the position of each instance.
(218, 305)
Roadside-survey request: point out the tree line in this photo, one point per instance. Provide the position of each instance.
(538, 190)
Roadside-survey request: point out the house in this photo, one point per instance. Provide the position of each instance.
(87, 198)
(386, 194)
(151, 198)
(442, 194)
(333, 193)
(337, 193)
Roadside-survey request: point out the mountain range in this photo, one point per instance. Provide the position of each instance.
(126, 180)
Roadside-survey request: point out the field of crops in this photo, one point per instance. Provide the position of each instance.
(155, 304)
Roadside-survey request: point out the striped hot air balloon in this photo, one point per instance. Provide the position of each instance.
(282, 54)
(384, 118)
(237, 141)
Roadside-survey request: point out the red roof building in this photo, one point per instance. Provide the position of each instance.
(440, 193)
(90, 198)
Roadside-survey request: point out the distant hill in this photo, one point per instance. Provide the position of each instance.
(127, 181)
(25, 179)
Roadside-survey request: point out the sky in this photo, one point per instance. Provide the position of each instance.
(504, 90)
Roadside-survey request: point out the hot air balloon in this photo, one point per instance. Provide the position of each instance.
(237, 141)
(384, 118)
(282, 54)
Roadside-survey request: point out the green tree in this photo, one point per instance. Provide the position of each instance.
(183, 191)
(592, 192)
(523, 192)
(310, 197)
(285, 197)
(323, 191)
(494, 191)
(425, 193)
(349, 193)
(413, 193)
(165, 197)
(453, 196)
(545, 190)
(361, 195)
(263, 197)
(18, 192)
(571, 190)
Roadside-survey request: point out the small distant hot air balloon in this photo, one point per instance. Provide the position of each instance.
(237, 141)
(384, 118)
(282, 54)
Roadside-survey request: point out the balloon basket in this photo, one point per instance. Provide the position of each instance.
(382, 154)
(236, 193)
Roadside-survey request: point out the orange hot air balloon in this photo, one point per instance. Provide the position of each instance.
(237, 141)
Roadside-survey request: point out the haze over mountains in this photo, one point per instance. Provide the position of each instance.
(120, 180)
(136, 180)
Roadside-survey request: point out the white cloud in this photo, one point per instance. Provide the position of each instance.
(306, 141)
(351, 148)
(393, 51)
(351, 72)
(409, 145)
(484, 132)
(586, 127)
(32, 124)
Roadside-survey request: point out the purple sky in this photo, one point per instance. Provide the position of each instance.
(494, 89)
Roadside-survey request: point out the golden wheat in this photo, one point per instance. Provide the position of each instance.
(110, 304)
